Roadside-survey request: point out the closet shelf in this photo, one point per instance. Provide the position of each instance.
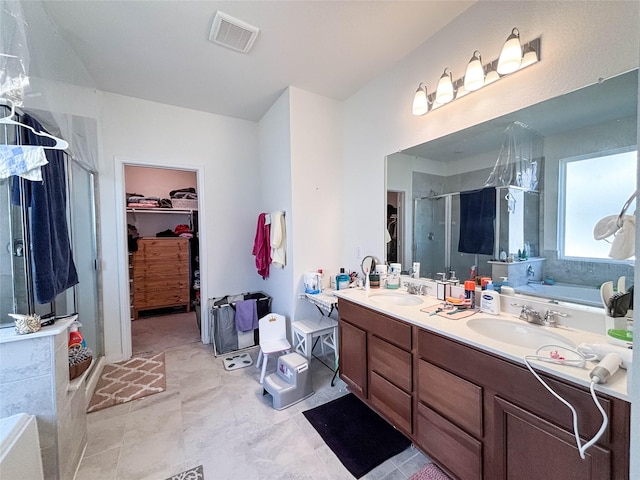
(162, 210)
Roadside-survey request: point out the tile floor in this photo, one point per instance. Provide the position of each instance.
(219, 419)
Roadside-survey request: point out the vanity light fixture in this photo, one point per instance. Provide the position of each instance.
(445, 92)
(513, 57)
(474, 78)
(420, 100)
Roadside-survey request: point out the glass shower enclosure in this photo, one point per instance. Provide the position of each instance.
(436, 231)
(16, 290)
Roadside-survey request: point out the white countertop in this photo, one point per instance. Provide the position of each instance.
(458, 330)
(9, 334)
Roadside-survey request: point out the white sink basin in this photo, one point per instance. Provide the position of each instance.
(395, 299)
(517, 333)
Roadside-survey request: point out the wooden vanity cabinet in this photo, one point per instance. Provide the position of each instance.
(376, 362)
(504, 424)
(475, 414)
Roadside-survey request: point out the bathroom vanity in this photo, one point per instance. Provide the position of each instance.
(470, 403)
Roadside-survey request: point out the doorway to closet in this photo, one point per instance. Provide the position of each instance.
(163, 257)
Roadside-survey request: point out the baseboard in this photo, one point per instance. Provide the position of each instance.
(92, 381)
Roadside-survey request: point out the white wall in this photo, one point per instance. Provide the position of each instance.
(225, 149)
(300, 157)
(316, 189)
(157, 182)
(275, 188)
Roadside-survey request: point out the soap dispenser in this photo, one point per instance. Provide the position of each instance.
(506, 289)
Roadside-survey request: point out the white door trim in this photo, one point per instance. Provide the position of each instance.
(121, 236)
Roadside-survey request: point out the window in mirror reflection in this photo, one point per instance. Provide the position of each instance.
(592, 187)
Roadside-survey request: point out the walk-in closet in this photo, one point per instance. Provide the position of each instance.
(163, 257)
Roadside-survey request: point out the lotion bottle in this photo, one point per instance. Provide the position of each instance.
(490, 301)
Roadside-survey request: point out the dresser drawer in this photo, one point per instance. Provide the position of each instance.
(449, 445)
(390, 362)
(392, 401)
(456, 399)
(382, 326)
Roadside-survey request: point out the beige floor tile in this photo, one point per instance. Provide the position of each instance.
(102, 466)
(218, 419)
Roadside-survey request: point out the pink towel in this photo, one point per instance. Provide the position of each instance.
(262, 247)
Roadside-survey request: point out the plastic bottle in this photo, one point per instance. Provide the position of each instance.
(506, 289)
(342, 280)
(490, 301)
(470, 292)
(75, 337)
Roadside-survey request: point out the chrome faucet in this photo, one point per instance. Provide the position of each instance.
(413, 288)
(529, 314)
(549, 318)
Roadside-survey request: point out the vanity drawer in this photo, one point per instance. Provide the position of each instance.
(456, 399)
(390, 362)
(449, 445)
(383, 326)
(392, 401)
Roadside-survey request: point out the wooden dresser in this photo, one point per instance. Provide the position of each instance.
(160, 274)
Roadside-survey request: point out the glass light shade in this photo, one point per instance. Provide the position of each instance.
(420, 102)
(530, 57)
(444, 92)
(491, 77)
(511, 55)
(474, 78)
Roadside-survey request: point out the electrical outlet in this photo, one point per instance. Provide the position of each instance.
(358, 252)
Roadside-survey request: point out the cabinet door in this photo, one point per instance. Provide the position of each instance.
(530, 448)
(353, 358)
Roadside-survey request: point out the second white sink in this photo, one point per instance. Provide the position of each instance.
(395, 299)
(517, 333)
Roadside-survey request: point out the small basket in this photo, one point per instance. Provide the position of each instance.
(184, 203)
(79, 368)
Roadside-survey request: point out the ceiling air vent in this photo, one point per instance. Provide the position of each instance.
(232, 33)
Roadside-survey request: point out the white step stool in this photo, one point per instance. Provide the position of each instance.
(291, 382)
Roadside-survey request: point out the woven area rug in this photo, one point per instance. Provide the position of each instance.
(430, 472)
(360, 438)
(233, 362)
(122, 382)
(191, 474)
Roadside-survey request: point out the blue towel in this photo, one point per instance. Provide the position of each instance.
(246, 315)
(53, 268)
(477, 221)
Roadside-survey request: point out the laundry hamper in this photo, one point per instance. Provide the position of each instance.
(222, 314)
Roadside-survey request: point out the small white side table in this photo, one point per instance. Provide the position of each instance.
(325, 329)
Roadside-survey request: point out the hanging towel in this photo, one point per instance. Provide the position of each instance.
(477, 219)
(278, 240)
(53, 268)
(246, 315)
(261, 247)
(22, 160)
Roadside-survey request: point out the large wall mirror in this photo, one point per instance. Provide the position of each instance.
(585, 156)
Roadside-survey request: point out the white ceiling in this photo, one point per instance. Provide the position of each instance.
(159, 50)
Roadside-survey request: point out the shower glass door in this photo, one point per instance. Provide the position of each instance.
(82, 222)
(13, 269)
(430, 235)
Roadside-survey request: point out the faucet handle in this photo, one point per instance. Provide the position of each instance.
(549, 319)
